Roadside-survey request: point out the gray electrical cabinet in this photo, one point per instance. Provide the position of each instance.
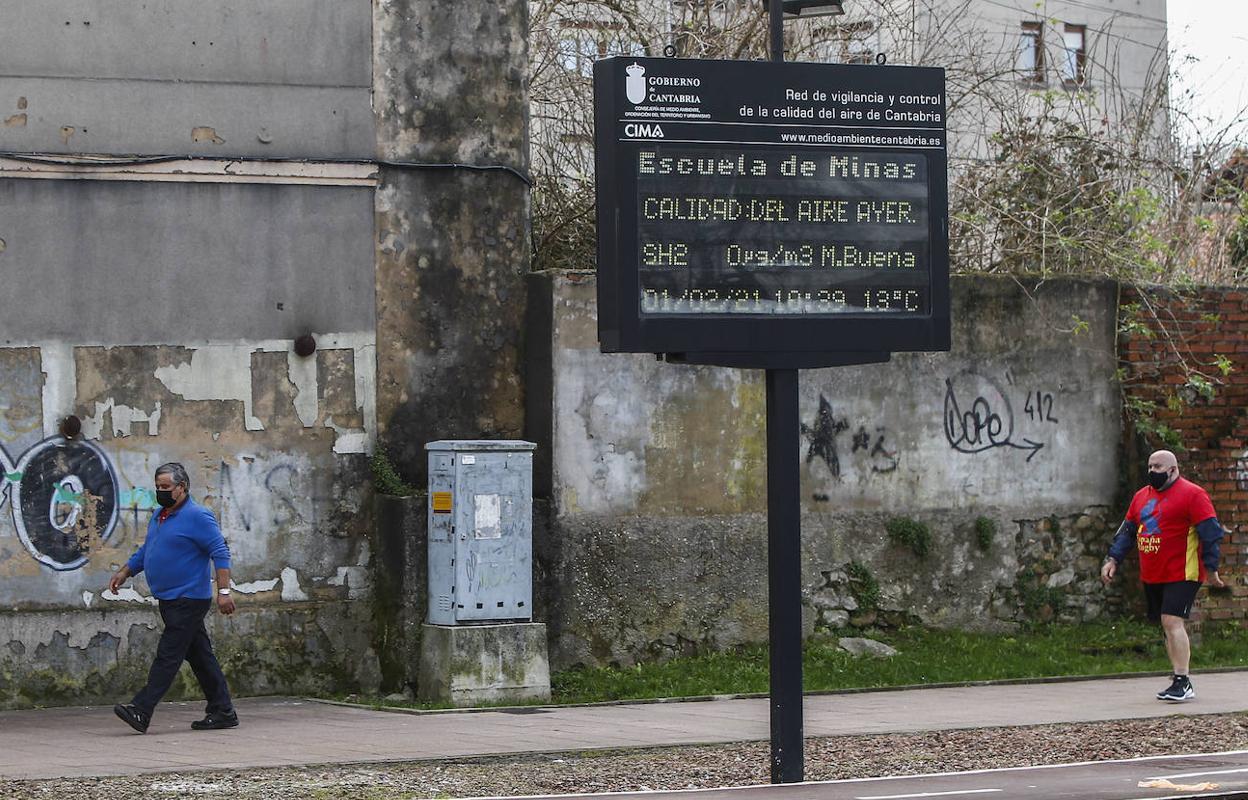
(480, 532)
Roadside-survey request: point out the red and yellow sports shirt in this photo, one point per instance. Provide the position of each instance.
(1165, 531)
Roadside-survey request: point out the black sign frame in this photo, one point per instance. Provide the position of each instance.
(708, 113)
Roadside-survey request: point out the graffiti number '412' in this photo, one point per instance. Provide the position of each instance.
(1039, 407)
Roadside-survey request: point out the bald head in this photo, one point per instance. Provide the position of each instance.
(1163, 469)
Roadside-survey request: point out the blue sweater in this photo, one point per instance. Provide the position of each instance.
(176, 552)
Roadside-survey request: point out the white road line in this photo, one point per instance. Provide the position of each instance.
(924, 794)
(1195, 774)
(1136, 760)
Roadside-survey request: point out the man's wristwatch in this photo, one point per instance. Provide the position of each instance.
(223, 591)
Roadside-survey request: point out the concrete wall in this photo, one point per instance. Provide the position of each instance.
(657, 478)
(158, 304)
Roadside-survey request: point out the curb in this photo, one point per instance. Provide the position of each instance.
(706, 698)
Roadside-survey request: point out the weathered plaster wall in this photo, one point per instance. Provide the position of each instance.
(243, 261)
(287, 478)
(162, 316)
(657, 472)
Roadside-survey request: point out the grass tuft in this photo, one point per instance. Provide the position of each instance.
(386, 478)
(863, 586)
(985, 532)
(910, 533)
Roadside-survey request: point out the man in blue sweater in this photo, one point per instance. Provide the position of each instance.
(181, 538)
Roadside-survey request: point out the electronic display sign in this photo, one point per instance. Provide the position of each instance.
(753, 207)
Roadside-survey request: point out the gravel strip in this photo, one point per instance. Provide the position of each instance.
(672, 768)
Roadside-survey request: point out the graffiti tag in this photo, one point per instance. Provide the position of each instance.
(63, 498)
(823, 437)
(828, 427)
(238, 494)
(986, 423)
(883, 460)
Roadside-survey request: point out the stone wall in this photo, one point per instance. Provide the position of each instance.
(972, 488)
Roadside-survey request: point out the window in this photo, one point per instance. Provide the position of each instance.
(847, 42)
(583, 43)
(621, 45)
(857, 42)
(577, 53)
(1074, 54)
(1030, 61)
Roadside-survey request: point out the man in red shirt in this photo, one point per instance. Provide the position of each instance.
(1171, 522)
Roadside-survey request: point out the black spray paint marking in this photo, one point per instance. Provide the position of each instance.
(228, 493)
(1041, 410)
(823, 437)
(883, 460)
(988, 424)
(278, 481)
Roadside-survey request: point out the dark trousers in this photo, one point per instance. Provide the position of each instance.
(185, 639)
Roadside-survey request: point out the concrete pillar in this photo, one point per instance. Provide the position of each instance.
(450, 87)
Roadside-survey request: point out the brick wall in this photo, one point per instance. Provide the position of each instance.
(1164, 337)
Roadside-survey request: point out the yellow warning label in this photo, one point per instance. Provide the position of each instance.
(441, 502)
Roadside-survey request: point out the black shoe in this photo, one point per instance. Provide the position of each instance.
(215, 721)
(1180, 690)
(132, 716)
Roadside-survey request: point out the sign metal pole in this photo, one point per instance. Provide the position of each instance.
(784, 575)
(784, 545)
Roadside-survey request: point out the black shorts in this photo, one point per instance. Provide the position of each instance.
(1174, 599)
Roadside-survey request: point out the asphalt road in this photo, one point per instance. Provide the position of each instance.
(1214, 775)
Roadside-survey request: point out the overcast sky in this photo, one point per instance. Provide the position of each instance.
(1216, 33)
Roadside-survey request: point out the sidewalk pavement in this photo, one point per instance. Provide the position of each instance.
(278, 732)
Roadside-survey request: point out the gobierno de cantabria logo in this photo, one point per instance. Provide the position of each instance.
(660, 89)
(635, 83)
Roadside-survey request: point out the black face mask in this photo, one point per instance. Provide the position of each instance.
(164, 497)
(1158, 479)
